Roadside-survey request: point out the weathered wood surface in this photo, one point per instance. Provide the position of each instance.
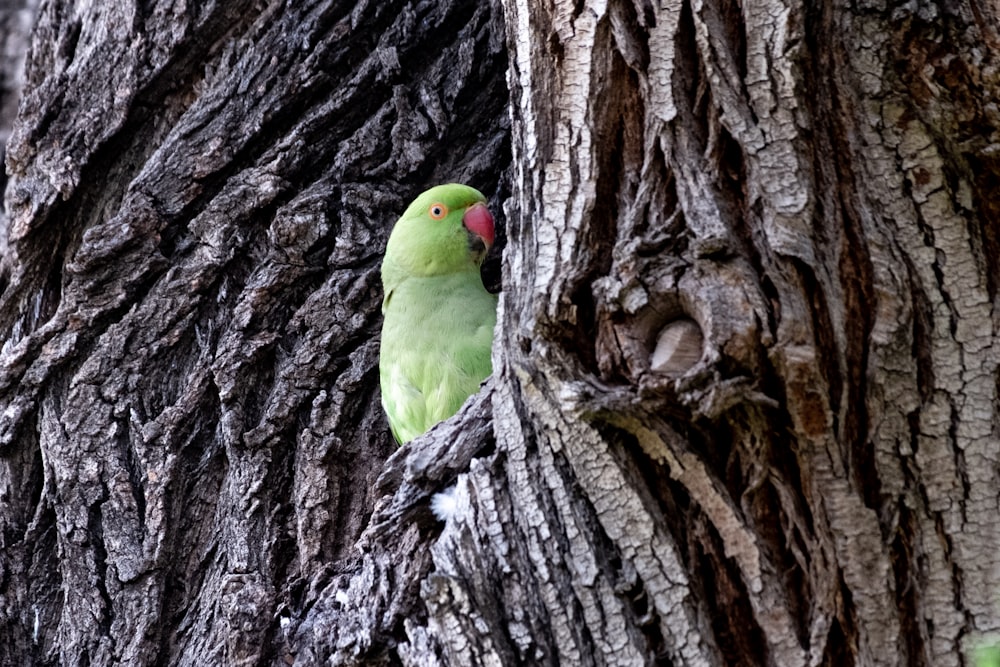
(16, 21)
(745, 404)
(199, 195)
(815, 187)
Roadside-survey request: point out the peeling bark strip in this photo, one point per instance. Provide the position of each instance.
(199, 196)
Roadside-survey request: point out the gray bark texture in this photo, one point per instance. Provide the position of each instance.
(199, 195)
(744, 408)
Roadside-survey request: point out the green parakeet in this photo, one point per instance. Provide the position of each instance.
(987, 655)
(438, 317)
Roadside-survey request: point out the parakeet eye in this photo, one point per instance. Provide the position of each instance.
(437, 211)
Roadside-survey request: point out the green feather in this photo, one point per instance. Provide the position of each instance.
(438, 317)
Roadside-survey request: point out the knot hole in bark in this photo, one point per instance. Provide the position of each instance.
(643, 333)
(678, 348)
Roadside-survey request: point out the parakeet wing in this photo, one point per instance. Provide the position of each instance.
(436, 343)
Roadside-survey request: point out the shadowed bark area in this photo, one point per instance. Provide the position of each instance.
(16, 21)
(199, 196)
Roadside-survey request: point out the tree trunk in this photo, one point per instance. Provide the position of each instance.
(16, 20)
(744, 408)
(199, 195)
(813, 192)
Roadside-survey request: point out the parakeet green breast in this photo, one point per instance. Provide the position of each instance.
(438, 318)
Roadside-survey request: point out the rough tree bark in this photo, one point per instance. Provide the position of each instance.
(199, 194)
(16, 20)
(814, 188)
(744, 409)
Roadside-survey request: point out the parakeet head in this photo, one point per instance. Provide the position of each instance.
(447, 229)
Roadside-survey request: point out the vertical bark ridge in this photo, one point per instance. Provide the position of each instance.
(814, 217)
(911, 125)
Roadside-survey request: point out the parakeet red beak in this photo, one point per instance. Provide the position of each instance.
(479, 221)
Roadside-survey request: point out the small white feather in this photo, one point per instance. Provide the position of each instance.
(445, 504)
